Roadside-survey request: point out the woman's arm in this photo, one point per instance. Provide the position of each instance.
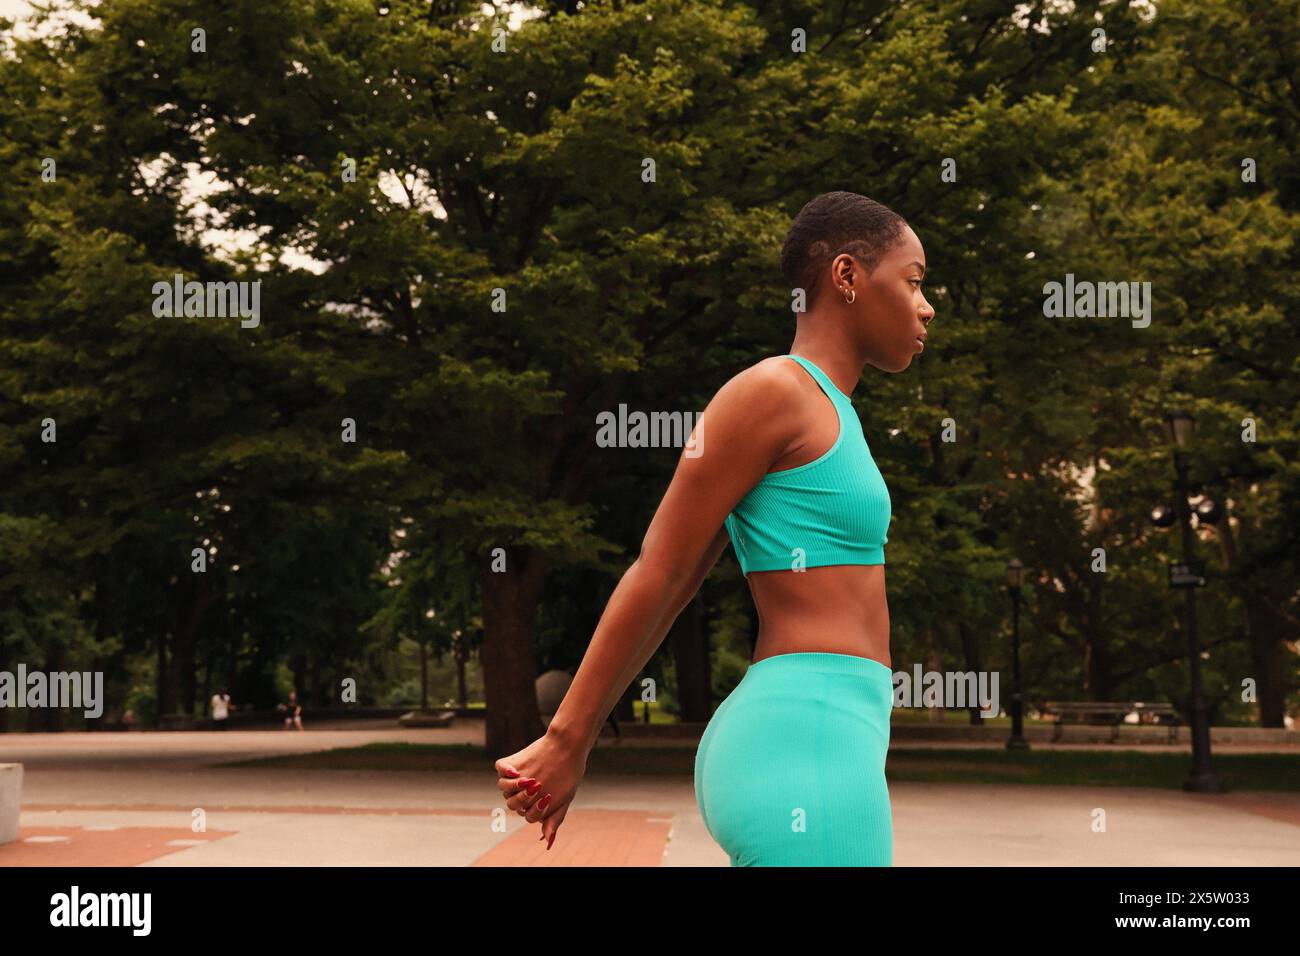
(750, 423)
(642, 592)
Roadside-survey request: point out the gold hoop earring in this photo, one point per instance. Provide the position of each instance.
(850, 296)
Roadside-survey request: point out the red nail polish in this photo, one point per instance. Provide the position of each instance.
(532, 791)
(551, 840)
(545, 802)
(510, 773)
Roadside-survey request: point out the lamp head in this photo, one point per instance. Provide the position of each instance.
(1015, 573)
(1163, 517)
(1208, 512)
(1179, 426)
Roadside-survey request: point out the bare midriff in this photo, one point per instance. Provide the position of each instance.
(838, 609)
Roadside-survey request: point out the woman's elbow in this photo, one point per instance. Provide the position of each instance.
(670, 573)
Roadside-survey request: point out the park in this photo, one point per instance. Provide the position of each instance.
(287, 593)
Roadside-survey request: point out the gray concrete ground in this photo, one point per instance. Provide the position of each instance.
(115, 783)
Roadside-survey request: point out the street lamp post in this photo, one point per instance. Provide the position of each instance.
(1015, 575)
(1179, 426)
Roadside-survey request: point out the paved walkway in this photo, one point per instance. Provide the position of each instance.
(130, 799)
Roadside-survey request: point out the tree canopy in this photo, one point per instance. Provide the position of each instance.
(473, 232)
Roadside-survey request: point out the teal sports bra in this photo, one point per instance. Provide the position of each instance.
(832, 510)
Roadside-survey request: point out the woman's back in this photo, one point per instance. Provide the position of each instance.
(810, 535)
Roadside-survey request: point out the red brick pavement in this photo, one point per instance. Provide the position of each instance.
(588, 838)
(186, 808)
(1283, 807)
(80, 846)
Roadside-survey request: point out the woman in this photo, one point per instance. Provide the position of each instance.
(790, 770)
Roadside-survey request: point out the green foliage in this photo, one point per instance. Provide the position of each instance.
(522, 171)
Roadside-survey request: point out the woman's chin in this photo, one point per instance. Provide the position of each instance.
(898, 365)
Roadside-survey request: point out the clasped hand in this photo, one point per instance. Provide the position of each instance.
(539, 782)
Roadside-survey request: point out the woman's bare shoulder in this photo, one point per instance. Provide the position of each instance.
(769, 382)
(756, 412)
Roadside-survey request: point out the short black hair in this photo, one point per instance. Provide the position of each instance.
(835, 223)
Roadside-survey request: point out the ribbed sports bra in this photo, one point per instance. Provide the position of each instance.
(832, 510)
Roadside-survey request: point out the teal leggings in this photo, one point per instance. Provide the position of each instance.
(791, 769)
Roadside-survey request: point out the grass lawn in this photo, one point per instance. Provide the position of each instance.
(1091, 768)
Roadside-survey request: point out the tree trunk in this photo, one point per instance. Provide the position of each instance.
(971, 652)
(462, 655)
(509, 661)
(48, 718)
(314, 694)
(232, 662)
(1267, 630)
(424, 676)
(205, 692)
(1098, 659)
(933, 662)
(1267, 634)
(164, 687)
(690, 646)
(185, 639)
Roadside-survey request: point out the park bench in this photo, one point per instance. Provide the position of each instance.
(1113, 713)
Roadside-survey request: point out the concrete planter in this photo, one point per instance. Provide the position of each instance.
(11, 792)
(431, 718)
